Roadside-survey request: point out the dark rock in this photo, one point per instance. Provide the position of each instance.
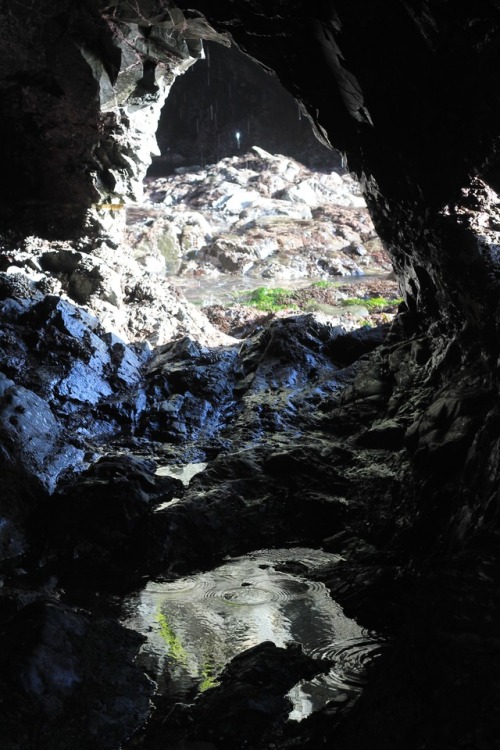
(31, 434)
(250, 704)
(94, 522)
(190, 390)
(22, 493)
(68, 679)
(352, 346)
(16, 286)
(386, 434)
(62, 260)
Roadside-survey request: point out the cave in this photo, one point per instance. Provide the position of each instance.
(380, 447)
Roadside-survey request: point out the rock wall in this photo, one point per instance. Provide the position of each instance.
(408, 91)
(83, 87)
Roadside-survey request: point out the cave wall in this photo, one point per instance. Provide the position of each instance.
(407, 89)
(51, 111)
(83, 88)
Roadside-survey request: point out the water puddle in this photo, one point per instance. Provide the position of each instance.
(195, 625)
(185, 473)
(224, 289)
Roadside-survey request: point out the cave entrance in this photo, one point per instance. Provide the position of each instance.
(249, 212)
(225, 104)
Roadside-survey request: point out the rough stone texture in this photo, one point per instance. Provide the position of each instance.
(260, 215)
(97, 287)
(84, 86)
(408, 90)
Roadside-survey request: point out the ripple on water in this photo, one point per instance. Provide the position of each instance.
(246, 596)
(179, 587)
(352, 659)
(262, 589)
(195, 625)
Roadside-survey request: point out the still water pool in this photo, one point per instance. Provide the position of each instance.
(195, 625)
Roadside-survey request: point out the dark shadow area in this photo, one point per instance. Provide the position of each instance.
(224, 105)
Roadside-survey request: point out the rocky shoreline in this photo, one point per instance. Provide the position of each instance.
(261, 215)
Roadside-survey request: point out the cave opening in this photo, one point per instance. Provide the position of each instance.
(226, 103)
(247, 208)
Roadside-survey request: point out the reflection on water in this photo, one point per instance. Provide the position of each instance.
(195, 625)
(352, 657)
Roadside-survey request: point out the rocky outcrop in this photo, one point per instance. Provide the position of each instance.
(72, 374)
(83, 107)
(67, 678)
(405, 461)
(261, 215)
(110, 287)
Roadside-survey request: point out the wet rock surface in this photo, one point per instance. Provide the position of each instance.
(131, 302)
(312, 432)
(67, 678)
(248, 708)
(403, 442)
(91, 420)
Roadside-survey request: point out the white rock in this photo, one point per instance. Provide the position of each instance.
(237, 201)
(303, 193)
